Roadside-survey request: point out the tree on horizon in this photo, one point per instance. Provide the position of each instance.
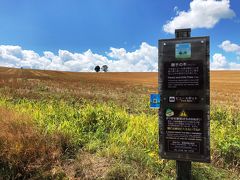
(97, 68)
(104, 68)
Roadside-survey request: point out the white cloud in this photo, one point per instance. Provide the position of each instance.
(118, 59)
(175, 9)
(220, 62)
(234, 66)
(202, 14)
(144, 59)
(230, 47)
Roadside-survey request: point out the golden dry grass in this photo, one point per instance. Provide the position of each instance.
(36, 84)
(225, 85)
(23, 148)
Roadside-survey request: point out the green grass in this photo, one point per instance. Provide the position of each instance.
(130, 138)
(225, 136)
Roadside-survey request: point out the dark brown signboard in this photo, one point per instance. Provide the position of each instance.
(184, 89)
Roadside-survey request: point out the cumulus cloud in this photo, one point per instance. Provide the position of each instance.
(144, 59)
(220, 62)
(230, 47)
(118, 59)
(202, 14)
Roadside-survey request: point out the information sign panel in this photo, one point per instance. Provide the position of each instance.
(184, 89)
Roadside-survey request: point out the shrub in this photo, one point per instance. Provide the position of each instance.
(24, 150)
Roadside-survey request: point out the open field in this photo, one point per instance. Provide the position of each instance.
(99, 125)
(225, 85)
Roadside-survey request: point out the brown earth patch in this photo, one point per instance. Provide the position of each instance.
(86, 166)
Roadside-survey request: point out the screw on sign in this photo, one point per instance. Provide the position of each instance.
(184, 87)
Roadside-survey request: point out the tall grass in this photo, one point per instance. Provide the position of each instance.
(225, 136)
(24, 150)
(130, 139)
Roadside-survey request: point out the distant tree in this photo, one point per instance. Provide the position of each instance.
(105, 68)
(97, 68)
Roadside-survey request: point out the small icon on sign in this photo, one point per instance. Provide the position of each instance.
(171, 99)
(173, 64)
(169, 113)
(183, 114)
(183, 51)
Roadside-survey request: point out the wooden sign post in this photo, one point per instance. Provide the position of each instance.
(185, 100)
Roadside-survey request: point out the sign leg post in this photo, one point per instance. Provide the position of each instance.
(184, 169)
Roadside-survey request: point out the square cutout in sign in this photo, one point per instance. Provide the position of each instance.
(183, 51)
(154, 100)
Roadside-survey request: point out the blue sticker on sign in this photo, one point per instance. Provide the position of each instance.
(154, 100)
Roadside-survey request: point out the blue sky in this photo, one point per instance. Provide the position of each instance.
(62, 34)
